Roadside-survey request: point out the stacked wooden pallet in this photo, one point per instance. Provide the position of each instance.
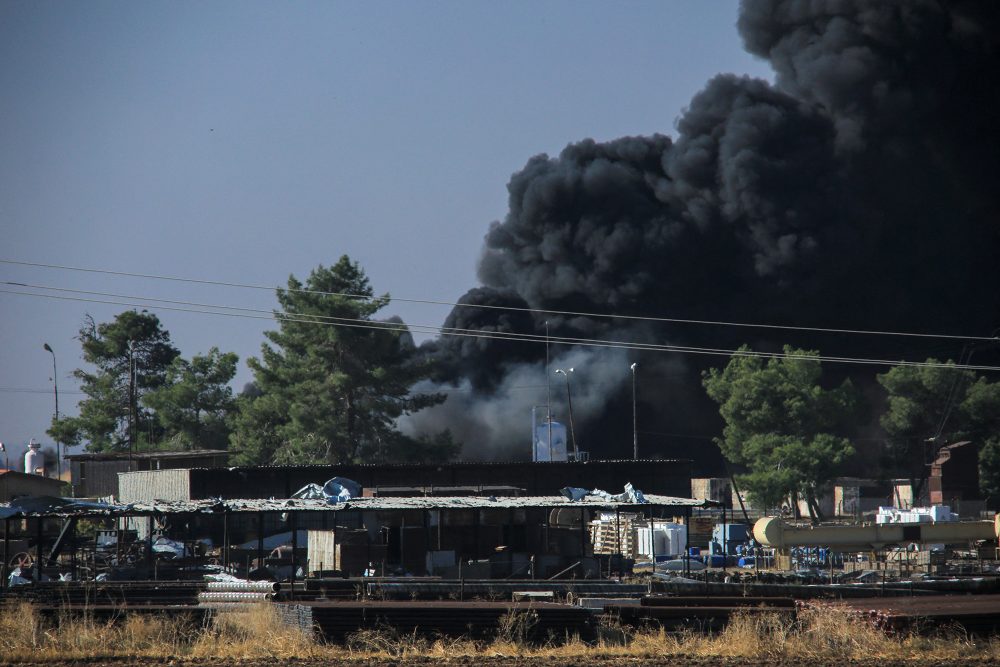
(611, 534)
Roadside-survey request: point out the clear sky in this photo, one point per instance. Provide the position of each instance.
(245, 141)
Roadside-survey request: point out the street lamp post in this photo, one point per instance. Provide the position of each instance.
(548, 392)
(635, 431)
(569, 405)
(55, 387)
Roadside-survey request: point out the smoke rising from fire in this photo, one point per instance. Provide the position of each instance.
(857, 191)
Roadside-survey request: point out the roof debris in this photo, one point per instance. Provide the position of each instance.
(629, 495)
(50, 506)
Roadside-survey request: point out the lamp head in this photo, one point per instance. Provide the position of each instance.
(634, 364)
(47, 348)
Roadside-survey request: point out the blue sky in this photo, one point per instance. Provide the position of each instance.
(244, 141)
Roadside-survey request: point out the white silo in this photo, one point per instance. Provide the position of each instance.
(34, 462)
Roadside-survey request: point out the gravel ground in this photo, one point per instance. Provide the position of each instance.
(484, 661)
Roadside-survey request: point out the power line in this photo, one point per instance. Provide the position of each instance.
(512, 336)
(537, 311)
(29, 390)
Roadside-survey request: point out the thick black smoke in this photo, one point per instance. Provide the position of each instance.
(860, 190)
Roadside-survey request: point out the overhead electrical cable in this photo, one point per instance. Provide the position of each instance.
(475, 333)
(538, 311)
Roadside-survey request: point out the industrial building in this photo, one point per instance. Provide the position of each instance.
(663, 477)
(95, 474)
(541, 536)
(14, 484)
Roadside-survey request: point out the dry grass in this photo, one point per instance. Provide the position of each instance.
(255, 633)
(24, 634)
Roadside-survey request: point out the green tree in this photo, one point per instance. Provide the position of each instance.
(981, 411)
(131, 355)
(989, 468)
(195, 403)
(929, 406)
(332, 380)
(922, 413)
(781, 424)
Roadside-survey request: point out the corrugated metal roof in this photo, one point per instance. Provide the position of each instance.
(41, 479)
(124, 456)
(69, 508)
(453, 464)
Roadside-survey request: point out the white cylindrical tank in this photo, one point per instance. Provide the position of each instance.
(772, 532)
(33, 459)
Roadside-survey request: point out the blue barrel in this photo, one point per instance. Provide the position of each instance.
(694, 552)
(718, 560)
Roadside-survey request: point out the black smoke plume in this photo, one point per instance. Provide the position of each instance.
(859, 190)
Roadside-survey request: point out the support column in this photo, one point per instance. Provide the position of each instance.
(402, 540)
(618, 538)
(475, 553)
(725, 539)
(293, 519)
(260, 540)
(72, 551)
(225, 539)
(687, 541)
(149, 543)
(6, 552)
(652, 539)
(38, 548)
(425, 517)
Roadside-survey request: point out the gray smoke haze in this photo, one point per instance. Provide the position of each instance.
(858, 191)
(499, 428)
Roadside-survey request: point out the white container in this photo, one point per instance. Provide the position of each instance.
(34, 462)
(675, 543)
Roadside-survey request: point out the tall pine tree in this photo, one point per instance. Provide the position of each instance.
(781, 424)
(194, 405)
(332, 380)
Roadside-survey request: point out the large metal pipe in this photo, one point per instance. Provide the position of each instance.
(773, 532)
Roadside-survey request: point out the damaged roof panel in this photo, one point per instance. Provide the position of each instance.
(67, 507)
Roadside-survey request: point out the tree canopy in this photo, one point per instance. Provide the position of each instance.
(143, 394)
(929, 406)
(781, 424)
(332, 380)
(131, 355)
(195, 402)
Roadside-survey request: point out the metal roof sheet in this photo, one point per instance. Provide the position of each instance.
(125, 456)
(67, 507)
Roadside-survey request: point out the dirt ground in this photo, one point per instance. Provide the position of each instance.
(500, 661)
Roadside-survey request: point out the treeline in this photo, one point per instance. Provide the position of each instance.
(793, 436)
(328, 387)
(332, 381)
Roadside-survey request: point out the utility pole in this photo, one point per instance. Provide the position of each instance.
(548, 392)
(132, 418)
(569, 406)
(635, 422)
(55, 387)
